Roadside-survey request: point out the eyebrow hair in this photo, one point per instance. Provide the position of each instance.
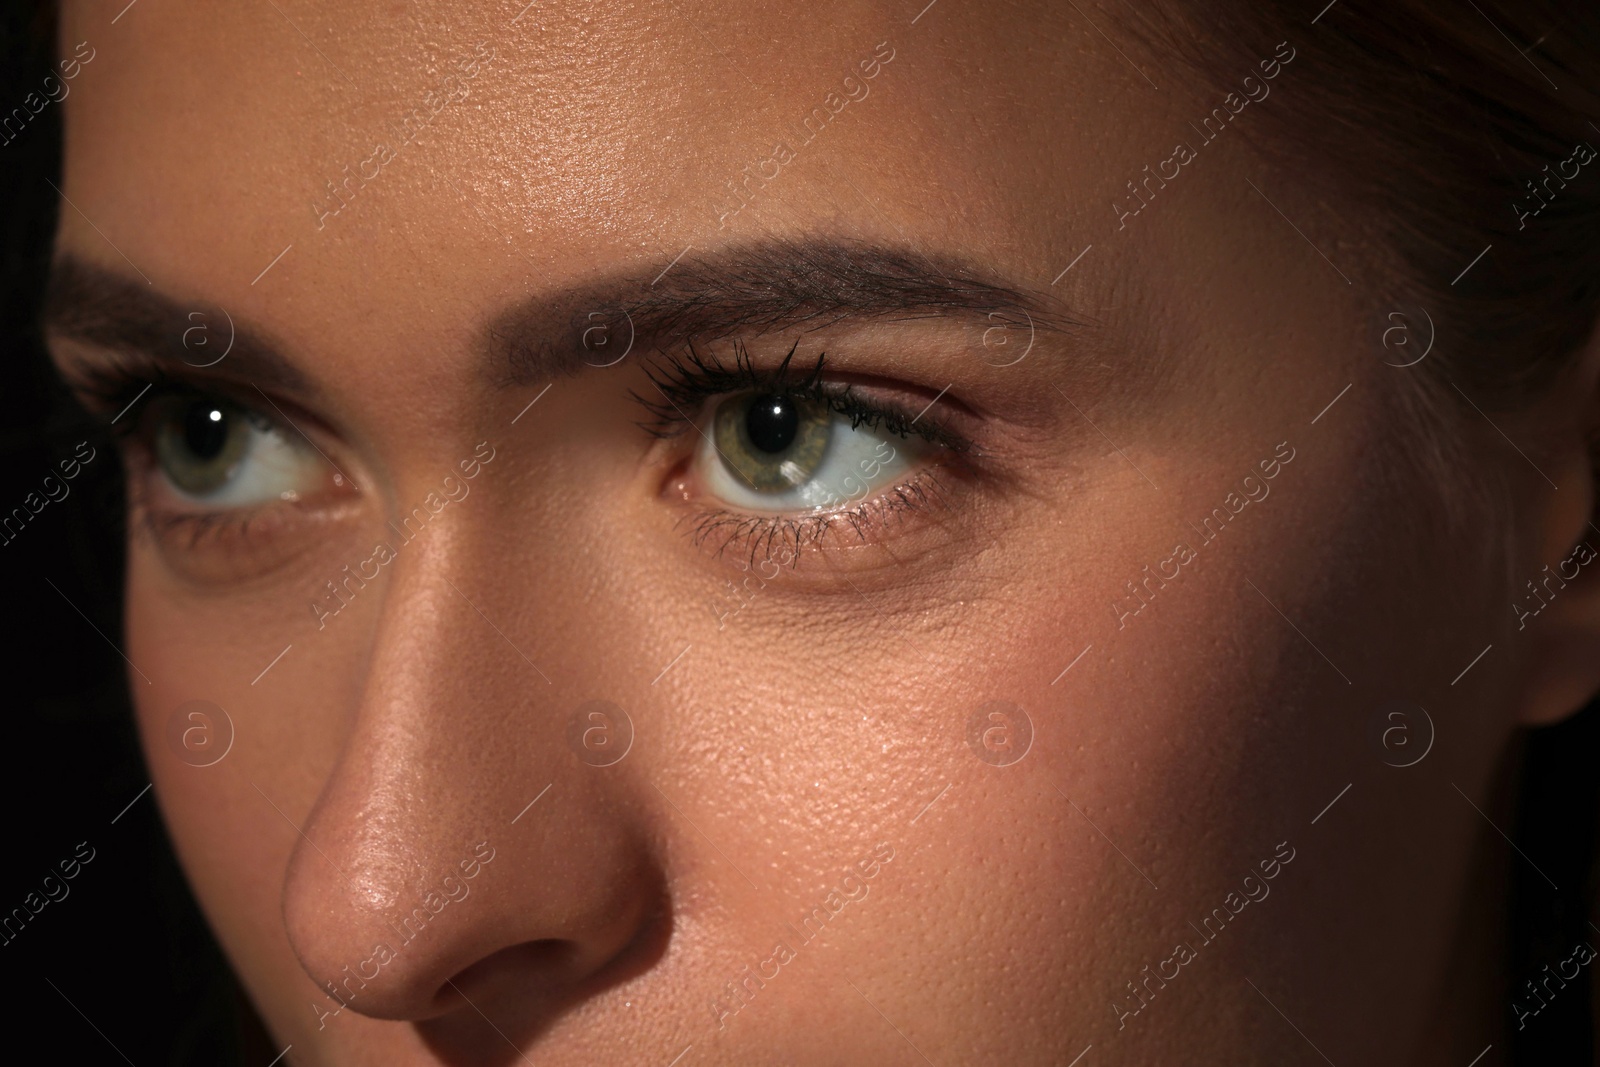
(102, 307)
(754, 288)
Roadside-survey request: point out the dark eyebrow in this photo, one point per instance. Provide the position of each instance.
(751, 289)
(101, 307)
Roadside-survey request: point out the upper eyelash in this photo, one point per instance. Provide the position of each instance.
(688, 378)
(111, 387)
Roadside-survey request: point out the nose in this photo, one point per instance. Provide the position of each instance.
(459, 851)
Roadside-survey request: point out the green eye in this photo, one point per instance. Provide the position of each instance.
(199, 443)
(217, 453)
(773, 442)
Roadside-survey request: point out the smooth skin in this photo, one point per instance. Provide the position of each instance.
(823, 730)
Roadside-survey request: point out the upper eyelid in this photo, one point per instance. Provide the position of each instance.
(136, 427)
(107, 383)
(843, 401)
(686, 378)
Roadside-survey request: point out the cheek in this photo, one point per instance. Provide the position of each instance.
(1238, 704)
(233, 821)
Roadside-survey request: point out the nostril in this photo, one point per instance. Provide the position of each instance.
(547, 973)
(515, 993)
(553, 961)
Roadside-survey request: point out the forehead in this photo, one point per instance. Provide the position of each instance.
(381, 142)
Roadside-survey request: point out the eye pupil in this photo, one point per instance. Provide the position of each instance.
(205, 430)
(773, 423)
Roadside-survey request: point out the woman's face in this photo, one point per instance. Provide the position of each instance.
(567, 697)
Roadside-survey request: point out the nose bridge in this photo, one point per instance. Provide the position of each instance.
(444, 725)
(457, 823)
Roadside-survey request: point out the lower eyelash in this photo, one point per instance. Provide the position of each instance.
(782, 538)
(185, 531)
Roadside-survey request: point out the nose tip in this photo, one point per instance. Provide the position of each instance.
(378, 935)
(490, 924)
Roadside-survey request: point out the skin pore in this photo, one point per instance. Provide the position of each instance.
(411, 222)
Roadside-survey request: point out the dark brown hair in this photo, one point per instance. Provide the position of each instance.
(1426, 128)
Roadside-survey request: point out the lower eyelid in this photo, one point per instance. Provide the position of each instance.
(232, 547)
(925, 492)
(224, 544)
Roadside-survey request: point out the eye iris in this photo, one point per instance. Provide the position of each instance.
(200, 443)
(773, 423)
(771, 442)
